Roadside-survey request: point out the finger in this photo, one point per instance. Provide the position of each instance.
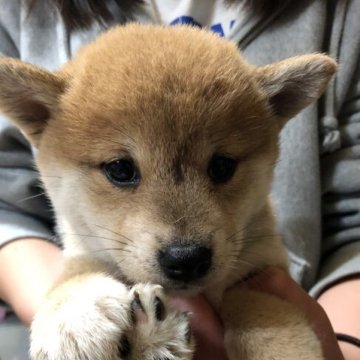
(206, 327)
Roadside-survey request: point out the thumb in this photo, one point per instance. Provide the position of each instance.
(205, 325)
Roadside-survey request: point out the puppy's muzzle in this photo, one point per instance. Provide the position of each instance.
(185, 263)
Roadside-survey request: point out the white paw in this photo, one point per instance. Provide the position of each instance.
(158, 332)
(95, 317)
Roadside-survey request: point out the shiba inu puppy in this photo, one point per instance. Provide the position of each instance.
(157, 147)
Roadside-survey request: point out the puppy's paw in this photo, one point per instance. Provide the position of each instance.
(84, 318)
(158, 332)
(95, 317)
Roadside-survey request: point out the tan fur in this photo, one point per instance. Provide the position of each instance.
(275, 330)
(170, 98)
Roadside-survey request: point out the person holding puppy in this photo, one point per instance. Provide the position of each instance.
(324, 262)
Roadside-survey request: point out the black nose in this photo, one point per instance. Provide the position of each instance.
(185, 262)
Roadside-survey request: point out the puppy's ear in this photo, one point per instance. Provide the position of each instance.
(29, 96)
(295, 83)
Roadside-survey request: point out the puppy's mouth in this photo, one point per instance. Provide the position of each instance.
(183, 289)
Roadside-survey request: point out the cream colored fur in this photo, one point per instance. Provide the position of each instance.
(169, 98)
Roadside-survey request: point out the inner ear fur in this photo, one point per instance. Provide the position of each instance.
(293, 84)
(29, 96)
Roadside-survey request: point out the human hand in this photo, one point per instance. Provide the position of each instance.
(29, 268)
(206, 327)
(342, 305)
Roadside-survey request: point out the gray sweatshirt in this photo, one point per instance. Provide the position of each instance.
(317, 181)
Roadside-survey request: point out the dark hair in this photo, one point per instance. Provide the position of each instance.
(260, 5)
(80, 14)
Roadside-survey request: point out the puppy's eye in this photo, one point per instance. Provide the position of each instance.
(221, 168)
(122, 172)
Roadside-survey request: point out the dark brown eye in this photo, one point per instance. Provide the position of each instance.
(221, 168)
(122, 172)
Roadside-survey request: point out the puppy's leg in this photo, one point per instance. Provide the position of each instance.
(83, 317)
(90, 315)
(262, 327)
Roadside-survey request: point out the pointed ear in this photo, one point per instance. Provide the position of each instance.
(295, 83)
(29, 96)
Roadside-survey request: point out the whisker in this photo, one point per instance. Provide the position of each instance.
(51, 176)
(121, 131)
(233, 235)
(31, 197)
(262, 236)
(183, 217)
(179, 219)
(114, 232)
(112, 249)
(234, 264)
(250, 239)
(242, 243)
(98, 237)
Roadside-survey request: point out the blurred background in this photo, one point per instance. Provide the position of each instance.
(14, 338)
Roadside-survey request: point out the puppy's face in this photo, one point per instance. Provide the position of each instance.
(170, 168)
(157, 146)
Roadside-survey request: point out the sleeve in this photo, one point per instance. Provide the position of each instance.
(24, 211)
(341, 198)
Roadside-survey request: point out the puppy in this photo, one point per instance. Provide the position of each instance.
(157, 147)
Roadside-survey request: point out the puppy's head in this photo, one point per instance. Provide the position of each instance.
(157, 146)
